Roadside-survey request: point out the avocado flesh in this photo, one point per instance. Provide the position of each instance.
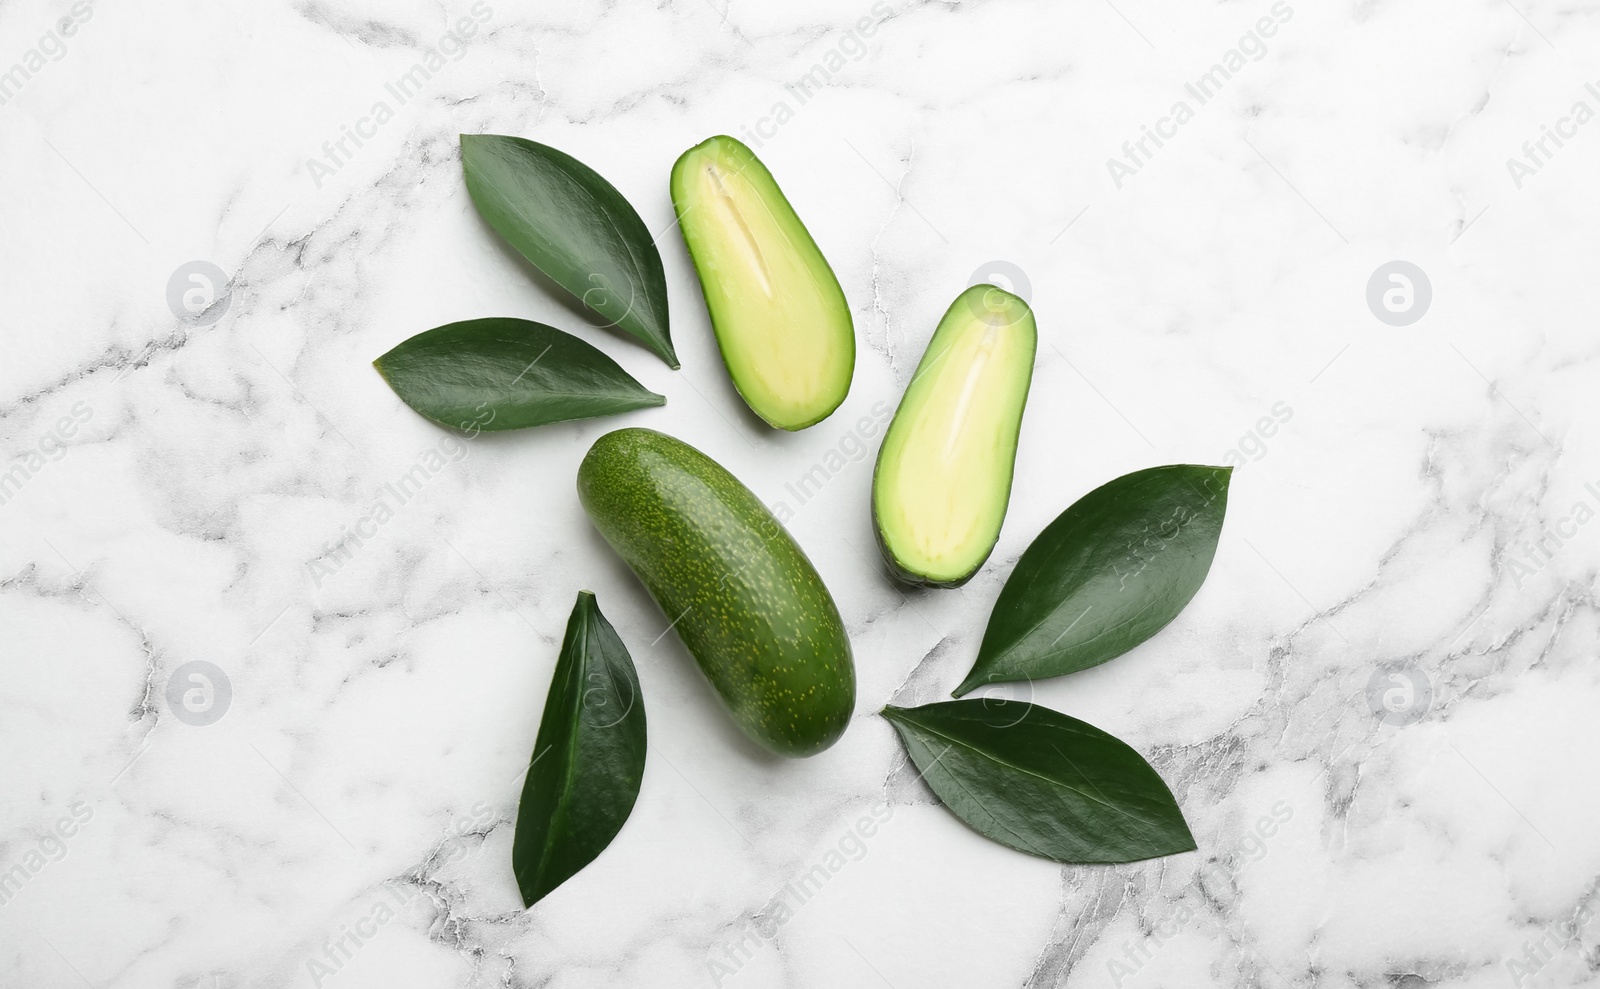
(943, 478)
(780, 317)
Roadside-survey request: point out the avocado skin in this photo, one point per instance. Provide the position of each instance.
(742, 596)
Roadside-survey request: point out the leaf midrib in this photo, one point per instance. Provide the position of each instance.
(564, 794)
(605, 212)
(1021, 769)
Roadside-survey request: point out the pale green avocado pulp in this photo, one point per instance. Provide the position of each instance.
(781, 320)
(943, 479)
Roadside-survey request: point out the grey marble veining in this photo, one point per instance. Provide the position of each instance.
(257, 735)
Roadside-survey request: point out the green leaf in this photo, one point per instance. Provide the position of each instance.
(1111, 571)
(575, 227)
(588, 760)
(507, 373)
(1041, 782)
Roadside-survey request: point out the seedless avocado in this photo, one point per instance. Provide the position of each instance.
(780, 317)
(943, 478)
(732, 582)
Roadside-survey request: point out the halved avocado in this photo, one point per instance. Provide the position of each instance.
(943, 479)
(781, 319)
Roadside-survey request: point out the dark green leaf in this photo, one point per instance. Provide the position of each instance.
(1042, 782)
(1107, 574)
(575, 227)
(588, 760)
(508, 374)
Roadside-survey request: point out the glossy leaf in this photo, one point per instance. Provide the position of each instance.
(588, 760)
(1041, 782)
(1111, 571)
(575, 227)
(507, 373)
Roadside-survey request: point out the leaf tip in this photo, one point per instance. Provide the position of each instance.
(1194, 846)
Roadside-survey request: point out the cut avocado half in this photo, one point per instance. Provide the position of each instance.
(943, 479)
(781, 320)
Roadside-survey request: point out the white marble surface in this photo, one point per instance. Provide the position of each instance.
(362, 775)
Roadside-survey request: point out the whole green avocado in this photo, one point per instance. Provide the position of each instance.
(736, 587)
